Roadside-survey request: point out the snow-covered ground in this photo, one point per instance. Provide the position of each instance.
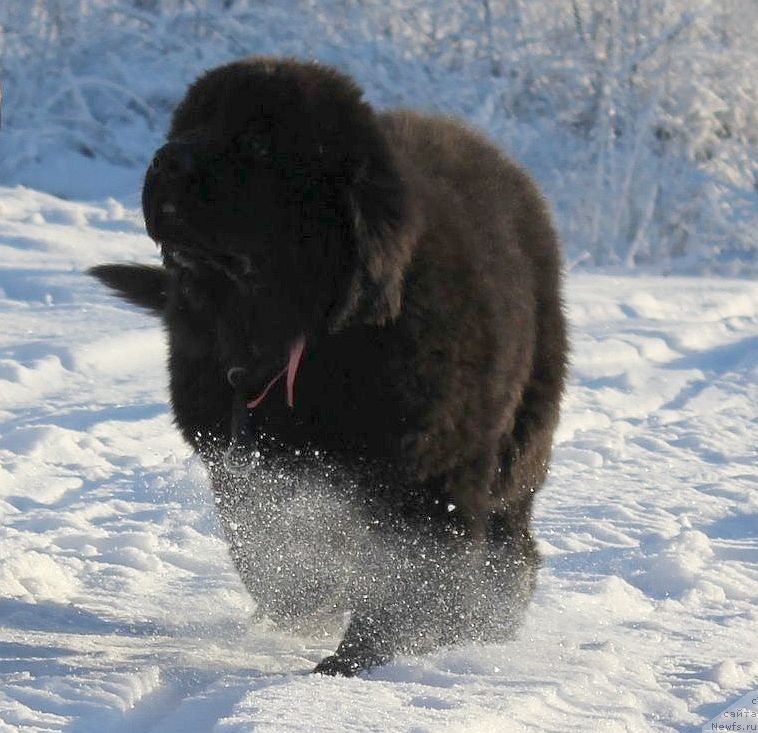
(119, 610)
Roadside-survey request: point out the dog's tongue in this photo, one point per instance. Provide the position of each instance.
(296, 356)
(293, 364)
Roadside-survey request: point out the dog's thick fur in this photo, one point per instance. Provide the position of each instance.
(419, 269)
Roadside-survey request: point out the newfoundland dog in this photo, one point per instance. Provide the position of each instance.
(367, 349)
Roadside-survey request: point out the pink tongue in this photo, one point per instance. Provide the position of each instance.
(296, 355)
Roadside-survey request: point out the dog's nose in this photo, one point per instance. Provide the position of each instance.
(173, 160)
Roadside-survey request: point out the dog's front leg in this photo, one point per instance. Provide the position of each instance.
(371, 640)
(421, 613)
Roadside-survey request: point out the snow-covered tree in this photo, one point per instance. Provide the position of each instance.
(639, 117)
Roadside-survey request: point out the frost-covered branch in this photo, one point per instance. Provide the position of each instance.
(639, 117)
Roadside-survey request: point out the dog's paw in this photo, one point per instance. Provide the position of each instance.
(339, 665)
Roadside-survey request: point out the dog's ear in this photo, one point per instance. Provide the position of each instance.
(143, 285)
(381, 233)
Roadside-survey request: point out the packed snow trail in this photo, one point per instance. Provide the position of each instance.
(120, 611)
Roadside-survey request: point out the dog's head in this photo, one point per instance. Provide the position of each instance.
(276, 178)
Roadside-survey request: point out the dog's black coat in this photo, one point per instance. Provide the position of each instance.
(421, 271)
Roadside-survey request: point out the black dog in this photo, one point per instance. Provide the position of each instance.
(401, 280)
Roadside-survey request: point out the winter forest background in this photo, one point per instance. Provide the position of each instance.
(638, 117)
(120, 610)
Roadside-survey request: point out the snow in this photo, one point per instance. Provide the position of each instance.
(121, 611)
(119, 608)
